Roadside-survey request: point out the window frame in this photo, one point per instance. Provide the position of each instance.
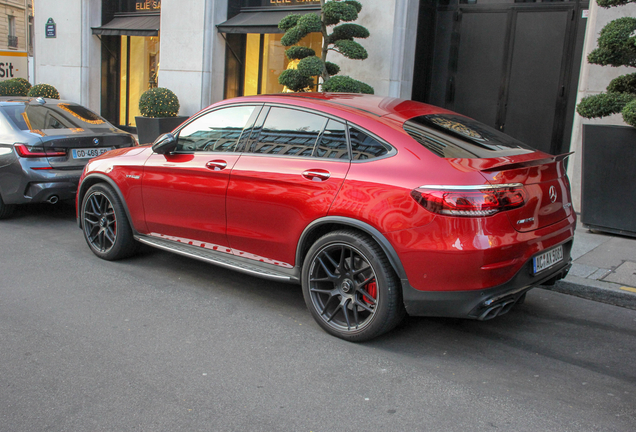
(391, 150)
(248, 127)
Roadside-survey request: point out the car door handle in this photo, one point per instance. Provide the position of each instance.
(216, 165)
(316, 175)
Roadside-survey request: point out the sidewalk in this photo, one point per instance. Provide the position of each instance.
(603, 268)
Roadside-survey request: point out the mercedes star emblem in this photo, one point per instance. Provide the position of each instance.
(553, 194)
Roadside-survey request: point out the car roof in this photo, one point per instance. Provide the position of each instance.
(362, 104)
(23, 100)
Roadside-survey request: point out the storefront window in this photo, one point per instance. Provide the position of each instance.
(265, 59)
(139, 68)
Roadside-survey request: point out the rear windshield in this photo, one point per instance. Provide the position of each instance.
(455, 136)
(54, 116)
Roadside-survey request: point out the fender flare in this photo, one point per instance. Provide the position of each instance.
(386, 246)
(93, 179)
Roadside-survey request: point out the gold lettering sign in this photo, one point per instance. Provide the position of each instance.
(148, 5)
(292, 2)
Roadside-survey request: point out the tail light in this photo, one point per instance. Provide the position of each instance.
(38, 152)
(470, 201)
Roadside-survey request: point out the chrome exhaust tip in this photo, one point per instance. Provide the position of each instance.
(53, 199)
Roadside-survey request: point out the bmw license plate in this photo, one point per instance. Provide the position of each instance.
(547, 259)
(89, 153)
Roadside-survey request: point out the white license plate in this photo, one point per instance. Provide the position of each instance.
(89, 153)
(547, 259)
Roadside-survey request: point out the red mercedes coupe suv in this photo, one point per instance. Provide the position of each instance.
(376, 206)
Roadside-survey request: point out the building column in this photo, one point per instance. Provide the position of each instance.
(391, 46)
(71, 61)
(192, 62)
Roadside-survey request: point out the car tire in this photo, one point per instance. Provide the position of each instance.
(350, 287)
(105, 225)
(6, 210)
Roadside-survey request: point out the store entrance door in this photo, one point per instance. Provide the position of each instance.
(512, 66)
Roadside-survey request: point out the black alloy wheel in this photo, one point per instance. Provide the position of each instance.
(350, 287)
(6, 210)
(105, 225)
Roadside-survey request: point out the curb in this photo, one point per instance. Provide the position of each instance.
(590, 289)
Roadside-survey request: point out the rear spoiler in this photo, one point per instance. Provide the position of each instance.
(504, 165)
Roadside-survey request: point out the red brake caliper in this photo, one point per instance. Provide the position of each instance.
(372, 289)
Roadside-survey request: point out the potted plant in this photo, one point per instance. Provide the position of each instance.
(304, 64)
(609, 151)
(159, 108)
(14, 87)
(44, 90)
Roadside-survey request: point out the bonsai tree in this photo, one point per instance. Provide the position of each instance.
(340, 40)
(14, 87)
(616, 47)
(159, 102)
(44, 90)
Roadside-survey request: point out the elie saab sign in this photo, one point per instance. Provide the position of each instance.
(143, 6)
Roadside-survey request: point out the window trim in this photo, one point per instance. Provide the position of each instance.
(257, 109)
(392, 151)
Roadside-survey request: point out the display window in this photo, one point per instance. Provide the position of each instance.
(139, 69)
(265, 59)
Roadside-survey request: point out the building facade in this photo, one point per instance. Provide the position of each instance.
(516, 65)
(15, 38)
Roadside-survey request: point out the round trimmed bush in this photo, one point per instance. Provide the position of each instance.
(159, 102)
(629, 113)
(44, 90)
(14, 87)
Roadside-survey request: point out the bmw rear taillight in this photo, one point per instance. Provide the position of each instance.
(470, 201)
(38, 152)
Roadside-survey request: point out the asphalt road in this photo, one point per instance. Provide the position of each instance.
(164, 343)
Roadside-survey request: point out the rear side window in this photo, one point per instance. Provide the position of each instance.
(288, 132)
(61, 115)
(455, 136)
(364, 146)
(216, 131)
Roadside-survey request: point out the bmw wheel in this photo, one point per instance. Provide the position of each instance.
(5, 209)
(105, 225)
(350, 288)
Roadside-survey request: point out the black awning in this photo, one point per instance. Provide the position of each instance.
(258, 21)
(130, 25)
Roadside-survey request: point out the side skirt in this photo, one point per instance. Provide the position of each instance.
(232, 262)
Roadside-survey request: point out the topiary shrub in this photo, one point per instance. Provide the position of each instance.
(159, 102)
(44, 90)
(341, 40)
(616, 47)
(14, 87)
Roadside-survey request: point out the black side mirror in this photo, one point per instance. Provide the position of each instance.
(166, 143)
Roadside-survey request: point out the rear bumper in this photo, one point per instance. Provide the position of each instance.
(35, 186)
(485, 303)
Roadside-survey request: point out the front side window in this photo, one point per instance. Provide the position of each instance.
(288, 132)
(217, 131)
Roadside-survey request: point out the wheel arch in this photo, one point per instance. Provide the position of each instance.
(319, 227)
(94, 179)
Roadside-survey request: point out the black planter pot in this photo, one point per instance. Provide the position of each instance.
(148, 128)
(608, 198)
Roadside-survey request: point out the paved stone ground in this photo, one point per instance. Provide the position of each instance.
(603, 268)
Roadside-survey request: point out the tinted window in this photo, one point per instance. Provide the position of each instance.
(333, 142)
(217, 131)
(454, 136)
(288, 132)
(364, 146)
(54, 116)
